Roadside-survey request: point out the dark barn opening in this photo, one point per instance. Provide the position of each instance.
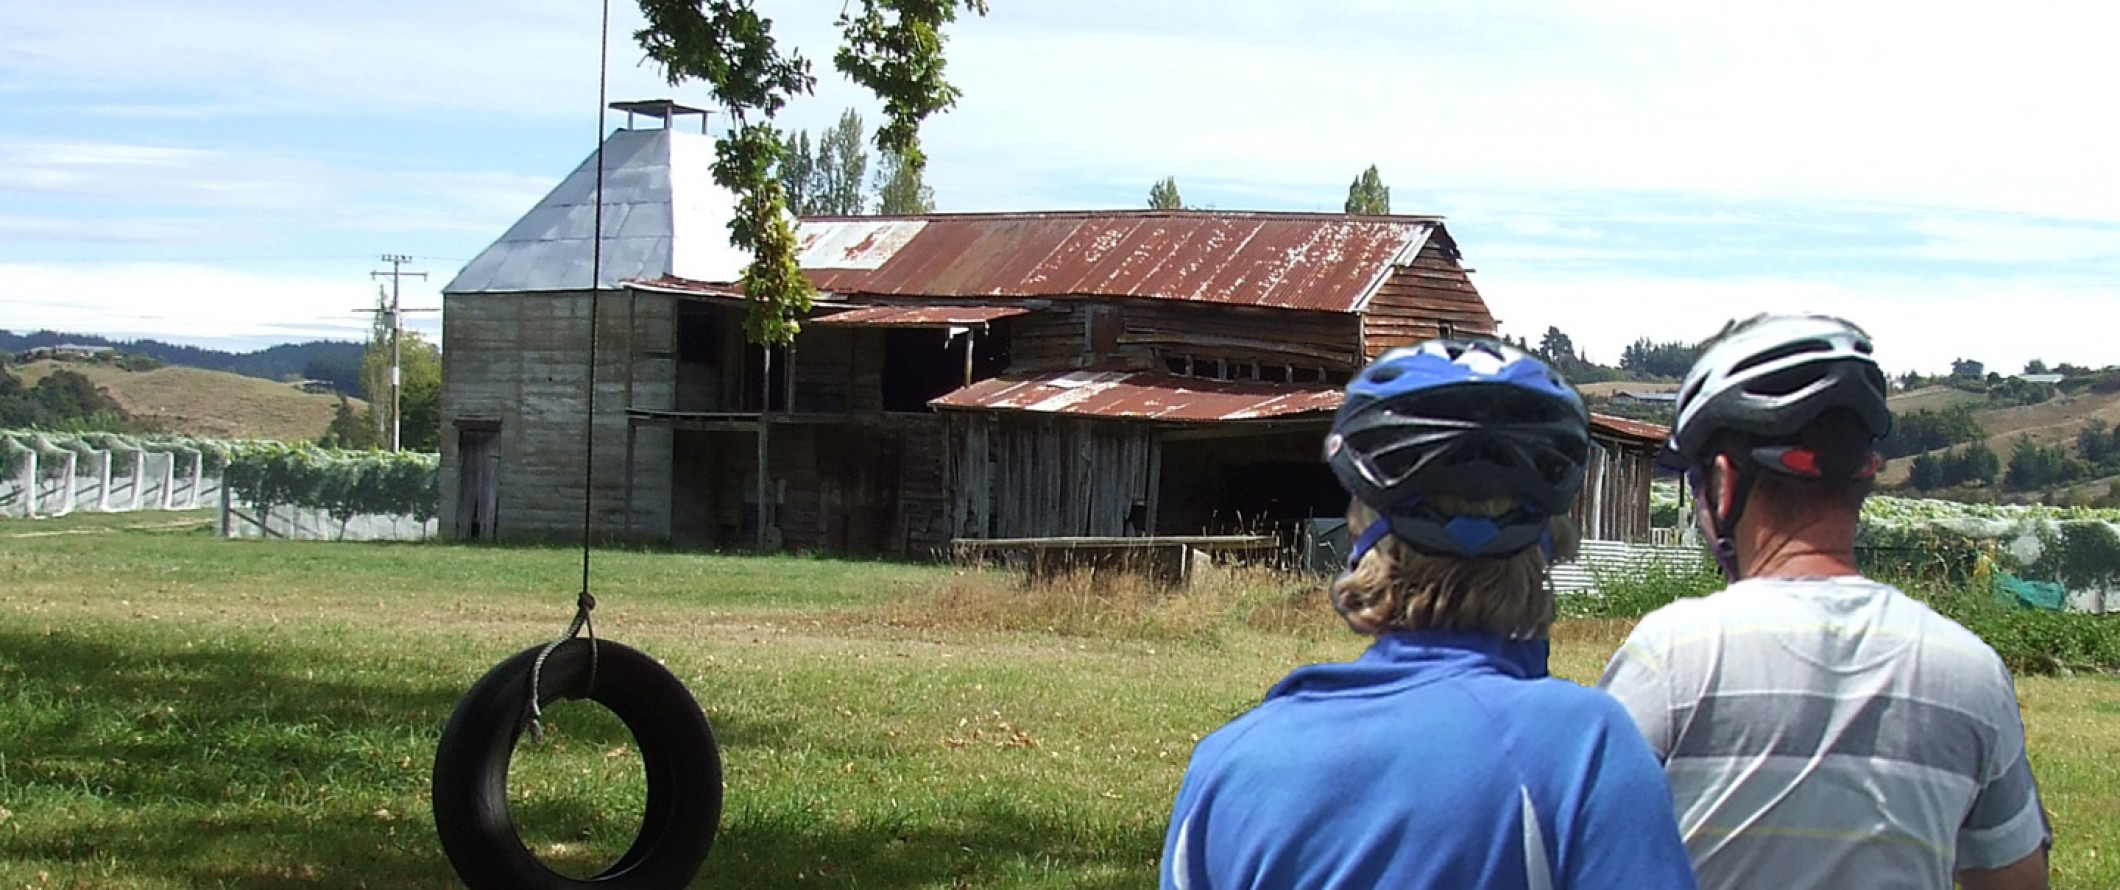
(1258, 484)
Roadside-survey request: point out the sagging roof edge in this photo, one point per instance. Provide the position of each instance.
(1403, 258)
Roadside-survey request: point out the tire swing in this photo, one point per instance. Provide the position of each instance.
(676, 744)
(677, 751)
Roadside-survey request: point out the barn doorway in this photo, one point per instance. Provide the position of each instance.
(478, 451)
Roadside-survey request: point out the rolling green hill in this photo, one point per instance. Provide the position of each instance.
(196, 402)
(2056, 420)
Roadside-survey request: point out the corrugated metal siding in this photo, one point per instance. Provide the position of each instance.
(1322, 262)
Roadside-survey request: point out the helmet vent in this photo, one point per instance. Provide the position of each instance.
(1786, 350)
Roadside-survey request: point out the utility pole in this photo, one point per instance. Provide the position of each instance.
(397, 272)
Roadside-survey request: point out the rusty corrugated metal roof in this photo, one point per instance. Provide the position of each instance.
(925, 316)
(686, 286)
(1315, 261)
(1640, 431)
(1143, 395)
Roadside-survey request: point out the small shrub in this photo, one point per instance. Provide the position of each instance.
(2034, 641)
(1643, 586)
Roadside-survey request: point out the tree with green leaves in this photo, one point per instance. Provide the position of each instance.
(798, 173)
(349, 429)
(1556, 346)
(899, 189)
(842, 168)
(419, 390)
(1164, 195)
(830, 179)
(1670, 360)
(1368, 195)
(892, 47)
(1927, 472)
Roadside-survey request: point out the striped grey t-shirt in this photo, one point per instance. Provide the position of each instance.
(1830, 733)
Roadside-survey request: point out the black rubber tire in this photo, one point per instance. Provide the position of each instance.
(677, 750)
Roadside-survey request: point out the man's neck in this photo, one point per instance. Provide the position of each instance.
(1798, 563)
(1817, 548)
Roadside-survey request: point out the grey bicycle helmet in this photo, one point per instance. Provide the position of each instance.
(1771, 376)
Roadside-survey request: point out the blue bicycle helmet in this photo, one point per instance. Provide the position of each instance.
(1476, 419)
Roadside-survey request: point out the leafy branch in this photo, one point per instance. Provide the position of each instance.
(893, 47)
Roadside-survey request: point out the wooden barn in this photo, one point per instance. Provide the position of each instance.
(962, 376)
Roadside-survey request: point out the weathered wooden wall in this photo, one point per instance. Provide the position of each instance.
(1132, 332)
(1408, 307)
(1044, 476)
(1614, 502)
(521, 361)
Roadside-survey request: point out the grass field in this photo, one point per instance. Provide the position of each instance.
(198, 402)
(182, 711)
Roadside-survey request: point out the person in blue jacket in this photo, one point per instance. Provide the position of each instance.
(1444, 757)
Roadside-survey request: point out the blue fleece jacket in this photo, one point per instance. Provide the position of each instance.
(1436, 760)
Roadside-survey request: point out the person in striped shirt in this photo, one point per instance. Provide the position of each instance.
(1819, 729)
(1444, 757)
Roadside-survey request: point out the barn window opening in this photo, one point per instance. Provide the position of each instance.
(923, 364)
(759, 374)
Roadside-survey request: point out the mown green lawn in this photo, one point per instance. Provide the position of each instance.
(180, 711)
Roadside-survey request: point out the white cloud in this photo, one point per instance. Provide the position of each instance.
(189, 303)
(142, 173)
(1919, 324)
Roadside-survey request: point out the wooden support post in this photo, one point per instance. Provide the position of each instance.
(1155, 481)
(632, 439)
(765, 410)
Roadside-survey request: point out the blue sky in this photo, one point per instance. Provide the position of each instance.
(225, 173)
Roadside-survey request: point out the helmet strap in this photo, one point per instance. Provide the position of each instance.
(1367, 541)
(1722, 524)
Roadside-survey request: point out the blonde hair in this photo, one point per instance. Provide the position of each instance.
(1396, 587)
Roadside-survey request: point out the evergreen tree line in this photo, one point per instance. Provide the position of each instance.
(2032, 465)
(1924, 430)
(337, 363)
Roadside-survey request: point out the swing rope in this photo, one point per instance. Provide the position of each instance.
(584, 603)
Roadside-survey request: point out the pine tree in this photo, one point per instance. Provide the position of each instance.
(1164, 195)
(1368, 196)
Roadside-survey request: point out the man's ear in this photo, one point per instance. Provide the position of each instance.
(1722, 479)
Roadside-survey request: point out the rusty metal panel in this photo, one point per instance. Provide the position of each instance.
(919, 316)
(1143, 396)
(852, 243)
(1634, 432)
(1327, 262)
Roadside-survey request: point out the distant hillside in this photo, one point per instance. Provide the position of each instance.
(335, 362)
(197, 402)
(2055, 421)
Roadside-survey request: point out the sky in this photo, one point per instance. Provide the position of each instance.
(227, 173)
